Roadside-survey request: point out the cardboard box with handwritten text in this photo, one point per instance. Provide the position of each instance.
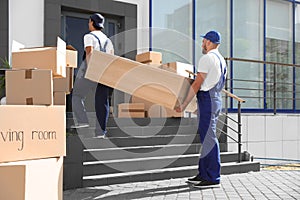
(32, 132)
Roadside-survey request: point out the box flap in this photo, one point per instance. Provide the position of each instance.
(61, 45)
(70, 47)
(61, 57)
(16, 46)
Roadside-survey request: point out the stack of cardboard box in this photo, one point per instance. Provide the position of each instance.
(150, 57)
(33, 123)
(131, 110)
(44, 71)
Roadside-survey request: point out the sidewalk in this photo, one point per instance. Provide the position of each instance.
(266, 184)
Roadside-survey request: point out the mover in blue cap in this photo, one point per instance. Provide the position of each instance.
(208, 86)
(94, 40)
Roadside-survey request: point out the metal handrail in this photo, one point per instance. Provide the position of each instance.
(269, 87)
(239, 121)
(272, 85)
(233, 96)
(261, 62)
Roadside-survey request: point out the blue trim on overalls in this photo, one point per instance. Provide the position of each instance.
(209, 108)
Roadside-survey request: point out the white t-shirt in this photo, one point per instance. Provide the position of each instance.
(90, 40)
(210, 64)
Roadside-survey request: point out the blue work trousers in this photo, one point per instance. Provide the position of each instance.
(209, 107)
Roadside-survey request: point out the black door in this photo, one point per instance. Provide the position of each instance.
(74, 27)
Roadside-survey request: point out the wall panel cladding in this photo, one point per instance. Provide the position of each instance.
(4, 29)
(53, 9)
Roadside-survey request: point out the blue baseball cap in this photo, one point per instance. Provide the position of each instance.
(213, 36)
(98, 20)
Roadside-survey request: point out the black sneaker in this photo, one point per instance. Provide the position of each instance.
(206, 184)
(194, 180)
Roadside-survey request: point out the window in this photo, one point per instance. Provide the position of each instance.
(297, 54)
(267, 30)
(248, 44)
(172, 30)
(279, 48)
(213, 15)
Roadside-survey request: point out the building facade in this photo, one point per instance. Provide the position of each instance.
(256, 30)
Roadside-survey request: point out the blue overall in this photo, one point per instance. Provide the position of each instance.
(209, 107)
(82, 87)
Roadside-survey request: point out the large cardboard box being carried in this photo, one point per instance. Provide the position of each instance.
(29, 87)
(151, 83)
(32, 132)
(32, 180)
(53, 58)
(153, 110)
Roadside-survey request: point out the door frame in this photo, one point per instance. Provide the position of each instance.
(112, 9)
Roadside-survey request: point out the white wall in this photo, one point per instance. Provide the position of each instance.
(26, 22)
(142, 23)
(270, 136)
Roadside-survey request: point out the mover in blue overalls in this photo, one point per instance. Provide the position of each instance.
(94, 40)
(208, 86)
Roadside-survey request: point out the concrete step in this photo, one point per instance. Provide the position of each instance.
(130, 131)
(127, 177)
(116, 122)
(242, 167)
(152, 130)
(147, 161)
(138, 164)
(116, 142)
(90, 155)
(161, 174)
(139, 152)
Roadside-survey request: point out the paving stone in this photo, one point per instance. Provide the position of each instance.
(265, 184)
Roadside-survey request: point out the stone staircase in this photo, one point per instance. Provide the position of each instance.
(145, 149)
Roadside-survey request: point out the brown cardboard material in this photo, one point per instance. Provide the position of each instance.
(156, 111)
(152, 110)
(132, 110)
(53, 58)
(32, 180)
(59, 98)
(29, 87)
(131, 114)
(166, 112)
(150, 57)
(192, 107)
(64, 84)
(32, 132)
(12, 182)
(180, 68)
(150, 83)
(71, 56)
